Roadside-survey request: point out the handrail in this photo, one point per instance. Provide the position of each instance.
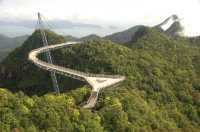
(97, 81)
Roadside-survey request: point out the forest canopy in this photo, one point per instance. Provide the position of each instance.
(161, 91)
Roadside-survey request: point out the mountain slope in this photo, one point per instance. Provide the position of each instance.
(7, 44)
(161, 91)
(4, 53)
(124, 36)
(171, 26)
(168, 22)
(90, 37)
(70, 38)
(17, 73)
(175, 29)
(162, 77)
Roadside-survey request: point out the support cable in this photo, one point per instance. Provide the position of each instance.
(48, 53)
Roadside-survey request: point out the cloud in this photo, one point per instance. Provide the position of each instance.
(69, 24)
(112, 27)
(56, 24)
(91, 13)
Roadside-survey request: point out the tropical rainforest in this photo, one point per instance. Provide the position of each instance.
(161, 91)
(7, 44)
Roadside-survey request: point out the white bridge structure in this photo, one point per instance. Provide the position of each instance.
(96, 81)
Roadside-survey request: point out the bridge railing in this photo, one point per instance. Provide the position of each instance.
(63, 69)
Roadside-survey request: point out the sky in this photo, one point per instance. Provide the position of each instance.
(101, 16)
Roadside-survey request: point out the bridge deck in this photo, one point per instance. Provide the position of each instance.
(96, 81)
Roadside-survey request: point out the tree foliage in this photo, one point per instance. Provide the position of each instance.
(161, 91)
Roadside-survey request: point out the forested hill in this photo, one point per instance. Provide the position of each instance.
(17, 73)
(124, 36)
(170, 26)
(90, 37)
(7, 44)
(161, 91)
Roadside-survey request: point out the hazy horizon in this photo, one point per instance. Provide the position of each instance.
(81, 18)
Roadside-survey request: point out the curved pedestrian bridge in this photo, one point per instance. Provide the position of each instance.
(96, 81)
